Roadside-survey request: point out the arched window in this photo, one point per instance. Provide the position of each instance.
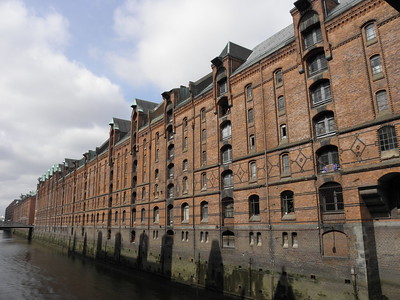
(156, 190)
(226, 130)
(204, 211)
(203, 115)
(370, 32)
(228, 208)
(328, 159)
(222, 84)
(310, 29)
(170, 215)
(185, 185)
(224, 107)
(133, 200)
(203, 181)
(249, 92)
(324, 124)
(227, 179)
(116, 217)
(133, 215)
(376, 65)
(204, 158)
(382, 100)
(204, 136)
(254, 206)
(250, 116)
(171, 171)
(281, 103)
(133, 236)
(170, 151)
(331, 197)
(228, 239)
(321, 93)
(226, 154)
(170, 191)
(143, 194)
(185, 212)
(287, 201)
(387, 138)
(283, 130)
(156, 214)
(185, 123)
(278, 78)
(185, 165)
(185, 143)
(285, 164)
(170, 133)
(253, 170)
(143, 215)
(123, 216)
(316, 64)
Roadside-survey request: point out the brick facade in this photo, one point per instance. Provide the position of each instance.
(275, 175)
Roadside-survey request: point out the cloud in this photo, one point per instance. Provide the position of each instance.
(171, 42)
(51, 107)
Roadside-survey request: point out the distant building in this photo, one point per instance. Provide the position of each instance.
(275, 174)
(9, 213)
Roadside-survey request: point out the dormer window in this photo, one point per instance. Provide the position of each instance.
(222, 87)
(310, 29)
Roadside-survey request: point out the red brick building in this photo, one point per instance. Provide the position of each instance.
(276, 174)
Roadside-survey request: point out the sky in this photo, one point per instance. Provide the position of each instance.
(68, 67)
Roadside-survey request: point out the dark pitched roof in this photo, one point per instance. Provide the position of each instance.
(236, 51)
(143, 105)
(270, 45)
(200, 85)
(342, 7)
(120, 124)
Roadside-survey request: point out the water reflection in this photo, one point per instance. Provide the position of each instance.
(30, 271)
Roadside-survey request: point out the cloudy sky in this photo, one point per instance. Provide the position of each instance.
(68, 67)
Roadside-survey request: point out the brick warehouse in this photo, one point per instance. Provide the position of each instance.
(275, 175)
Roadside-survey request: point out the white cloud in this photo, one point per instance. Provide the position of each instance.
(173, 41)
(51, 107)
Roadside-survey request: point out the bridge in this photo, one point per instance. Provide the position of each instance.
(12, 225)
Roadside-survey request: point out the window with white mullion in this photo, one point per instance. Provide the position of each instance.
(321, 93)
(317, 64)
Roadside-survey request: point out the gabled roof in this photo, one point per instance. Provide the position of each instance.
(143, 105)
(121, 125)
(236, 51)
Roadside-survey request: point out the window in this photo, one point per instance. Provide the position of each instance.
(170, 133)
(285, 240)
(170, 191)
(116, 217)
(254, 206)
(143, 215)
(295, 242)
(185, 185)
(204, 136)
(222, 87)
(143, 194)
(285, 163)
(203, 115)
(123, 216)
(133, 215)
(253, 170)
(170, 215)
(252, 142)
(387, 138)
(228, 208)
(228, 239)
(185, 212)
(278, 78)
(226, 130)
(382, 100)
(324, 124)
(204, 211)
(185, 165)
(157, 154)
(321, 93)
(370, 33)
(249, 92)
(287, 202)
(250, 116)
(251, 239)
(376, 65)
(311, 37)
(259, 240)
(156, 214)
(227, 179)
(171, 152)
(316, 64)
(281, 103)
(185, 143)
(156, 173)
(171, 171)
(224, 107)
(156, 190)
(226, 154)
(283, 132)
(157, 138)
(133, 236)
(328, 159)
(134, 196)
(331, 197)
(203, 181)
(185, 123)
(204, 158)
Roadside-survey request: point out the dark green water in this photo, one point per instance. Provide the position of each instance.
(31, 271)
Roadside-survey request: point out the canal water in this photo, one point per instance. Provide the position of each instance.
(32, 271)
